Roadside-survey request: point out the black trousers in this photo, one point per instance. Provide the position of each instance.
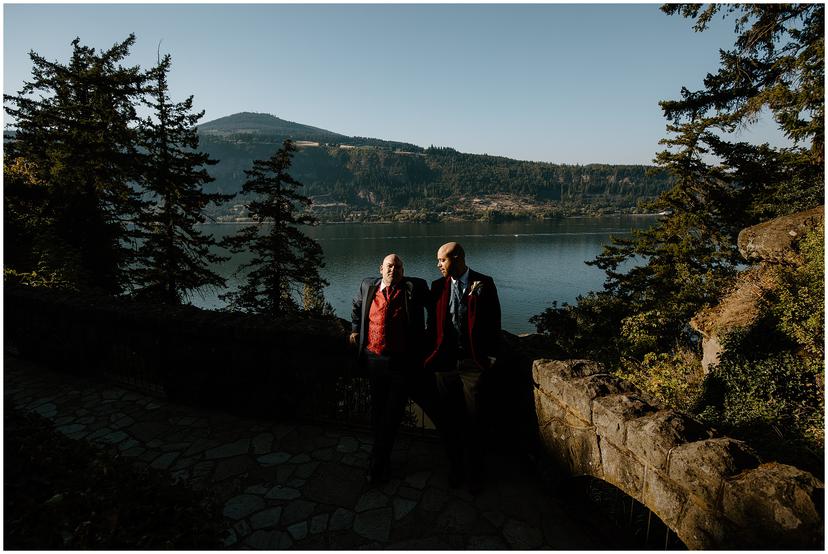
(459, 387)
(393, 380)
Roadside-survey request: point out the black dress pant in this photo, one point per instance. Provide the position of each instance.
(458, 389)
(393, 380)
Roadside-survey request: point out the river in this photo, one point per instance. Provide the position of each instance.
(533, 263)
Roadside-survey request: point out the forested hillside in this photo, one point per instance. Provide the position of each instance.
(372, 173)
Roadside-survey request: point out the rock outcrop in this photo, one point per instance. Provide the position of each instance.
(712, 491)
(765, 245)
(774, 241)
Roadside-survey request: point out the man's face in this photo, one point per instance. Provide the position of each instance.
(391, 270)
(445, 262)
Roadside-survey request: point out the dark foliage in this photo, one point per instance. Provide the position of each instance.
(175, 255)
(76, 133)
(284, 260)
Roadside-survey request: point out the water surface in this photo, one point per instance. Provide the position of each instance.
(532, 263)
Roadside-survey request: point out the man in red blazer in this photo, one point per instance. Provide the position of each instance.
(464, 326)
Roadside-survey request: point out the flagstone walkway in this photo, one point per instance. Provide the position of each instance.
(299, 485)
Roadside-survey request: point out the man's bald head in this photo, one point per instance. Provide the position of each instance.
(451, 260)
(391, 269)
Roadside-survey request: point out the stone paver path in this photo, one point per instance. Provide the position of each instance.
(290, 485)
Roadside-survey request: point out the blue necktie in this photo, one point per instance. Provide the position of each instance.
(454, 304)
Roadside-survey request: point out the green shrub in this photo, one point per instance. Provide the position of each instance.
(765, 394)
(641, 332)
(588, 329)
(673, 379)
(799, 300)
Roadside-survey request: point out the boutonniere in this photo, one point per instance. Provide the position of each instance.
(475, 287)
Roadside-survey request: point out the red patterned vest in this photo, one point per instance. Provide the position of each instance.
(387, 323)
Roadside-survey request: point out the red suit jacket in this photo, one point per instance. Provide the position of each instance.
(483, 319)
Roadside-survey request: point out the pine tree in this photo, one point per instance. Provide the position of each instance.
(722, 185)
(175, 255)
(75, 127)
(284, 260)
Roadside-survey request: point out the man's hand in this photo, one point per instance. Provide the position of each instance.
(353, 338)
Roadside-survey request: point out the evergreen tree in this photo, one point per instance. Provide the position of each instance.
(76, 129)
(284, 260)
(175, 255)
(721, 185)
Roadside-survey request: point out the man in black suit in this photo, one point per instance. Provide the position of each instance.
(465, 335)
(388, 327)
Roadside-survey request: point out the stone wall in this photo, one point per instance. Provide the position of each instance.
(712, 491)
(225, 360)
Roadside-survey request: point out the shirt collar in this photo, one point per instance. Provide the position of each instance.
(383, 285)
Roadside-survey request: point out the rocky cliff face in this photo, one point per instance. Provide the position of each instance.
(765, 246)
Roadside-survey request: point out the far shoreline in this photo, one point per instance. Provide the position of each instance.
(458, 220)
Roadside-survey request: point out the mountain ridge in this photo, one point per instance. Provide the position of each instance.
(257, 124)
(260, 123)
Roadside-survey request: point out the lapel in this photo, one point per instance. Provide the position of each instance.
(442, 308)
(471, 299)
(404, 291)
(367, 300)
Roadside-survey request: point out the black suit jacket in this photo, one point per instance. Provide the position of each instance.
(483, 319)
(416, 299)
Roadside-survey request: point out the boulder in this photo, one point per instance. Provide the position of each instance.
(774, 240)
(712, 492)
(665, 498)
(703, 529)
(771, 242)
(738, 309)
(579, 394)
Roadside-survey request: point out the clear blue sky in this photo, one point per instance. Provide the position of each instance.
(558, 83)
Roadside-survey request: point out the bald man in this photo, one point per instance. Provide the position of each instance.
(465, 330)
(388, 327)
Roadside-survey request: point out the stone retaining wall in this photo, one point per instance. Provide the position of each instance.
(226, 360)
(712, 491)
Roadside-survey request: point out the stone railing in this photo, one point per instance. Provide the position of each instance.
(224, 360)
(712, 491)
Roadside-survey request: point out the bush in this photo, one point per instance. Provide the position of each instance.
(588, 329)
(799, 300)
(765, 394)
(673, 379)
(641, 332)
